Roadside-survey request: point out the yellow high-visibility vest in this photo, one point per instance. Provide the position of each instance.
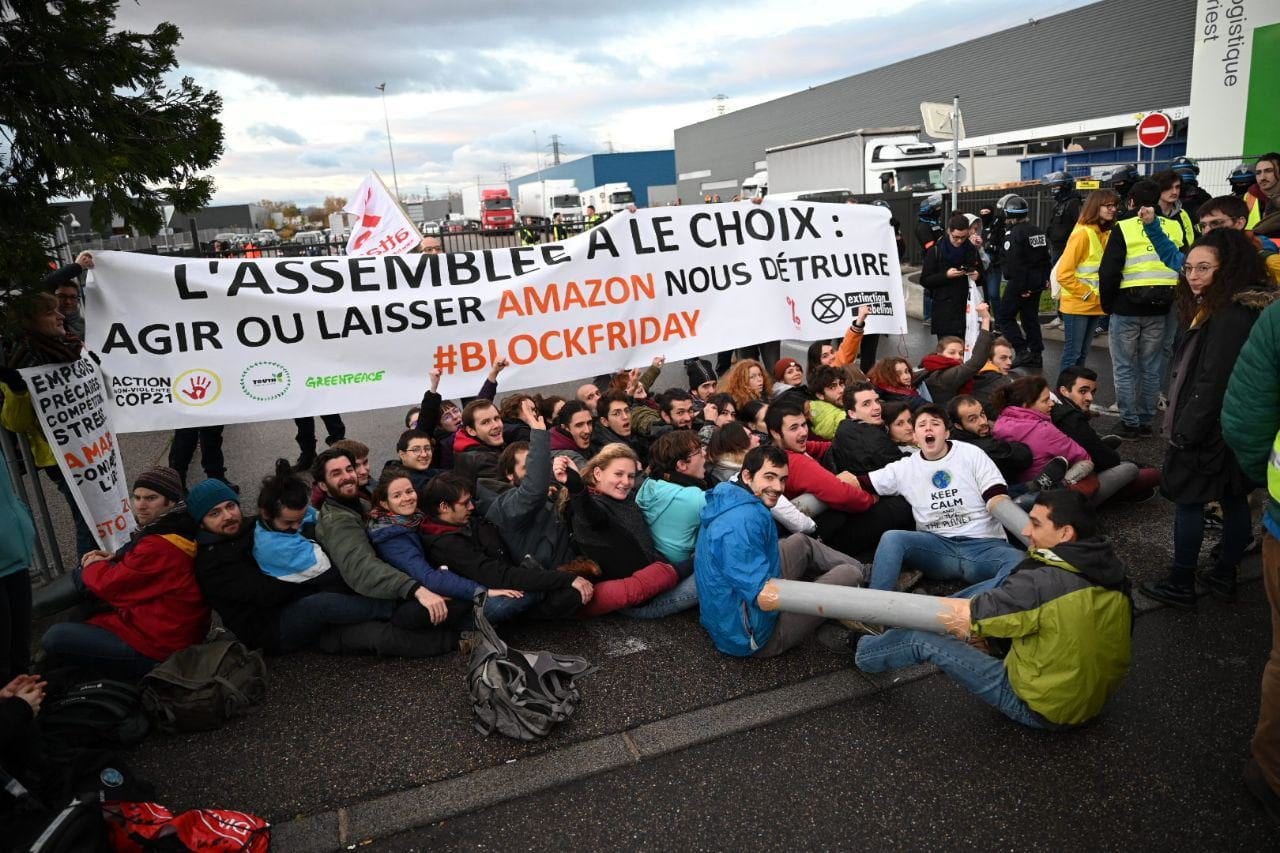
(1142, 266)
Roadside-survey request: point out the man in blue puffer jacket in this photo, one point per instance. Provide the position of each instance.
(738, 552)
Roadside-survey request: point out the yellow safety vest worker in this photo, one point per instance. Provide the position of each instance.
(1142, 266)
(1273, 474)
(1087, 271)
(1255, 211)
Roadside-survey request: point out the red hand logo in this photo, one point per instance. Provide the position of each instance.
(199, 387)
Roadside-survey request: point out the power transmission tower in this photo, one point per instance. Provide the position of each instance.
(506, 172)
(608, 143)
(555, 149)
(720, 103)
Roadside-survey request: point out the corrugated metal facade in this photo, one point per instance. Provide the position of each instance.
(1103, 59)
(639, 169)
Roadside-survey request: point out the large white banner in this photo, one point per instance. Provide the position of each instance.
(382, 226)
(187, 342)
(71, 406)
(1234, 68)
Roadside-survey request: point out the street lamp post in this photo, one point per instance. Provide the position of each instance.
(395, 181)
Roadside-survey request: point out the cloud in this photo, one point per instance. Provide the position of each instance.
(320, 159)
(278, 133)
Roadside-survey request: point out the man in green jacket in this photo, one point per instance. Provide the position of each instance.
(1251, 428)
(1061, 621)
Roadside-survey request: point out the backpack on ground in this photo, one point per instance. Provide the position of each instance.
(93, 714)
(520, 694)
(139, 827)
(203, 686)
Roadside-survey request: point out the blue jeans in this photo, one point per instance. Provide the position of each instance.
(499, 609)
(941, 557)
(682, 596)
(1077, 331)
(977, 671)
(1188, 535)
(97, 650)
(1137, 354)
(302, 622)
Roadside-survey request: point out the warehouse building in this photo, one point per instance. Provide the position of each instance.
(639, 169)
(1073, 79)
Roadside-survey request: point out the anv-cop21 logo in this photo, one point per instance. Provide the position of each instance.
(197, 387)
(265, 380)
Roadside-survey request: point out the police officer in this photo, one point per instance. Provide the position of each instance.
(1066, 210)
(1026, 270)
(1193, 195)
(1241, 179)
(1122, 179)
(529, 235)
(993, 231)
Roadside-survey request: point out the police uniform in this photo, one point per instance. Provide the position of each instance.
(1026, 263)
(1066, 211)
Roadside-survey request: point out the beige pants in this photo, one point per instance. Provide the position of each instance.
(802, 555)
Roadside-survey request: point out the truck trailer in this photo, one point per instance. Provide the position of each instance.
(865, 161)
(542, 200)
(608, 198)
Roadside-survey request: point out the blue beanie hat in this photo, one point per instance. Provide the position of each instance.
(207, 494)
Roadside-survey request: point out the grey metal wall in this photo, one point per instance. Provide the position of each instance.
(1103, 59)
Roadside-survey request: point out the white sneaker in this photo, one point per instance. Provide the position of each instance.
(1055, 323)
(1163, 404)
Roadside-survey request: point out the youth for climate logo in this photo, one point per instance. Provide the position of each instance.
(265, 380)
(197, 387)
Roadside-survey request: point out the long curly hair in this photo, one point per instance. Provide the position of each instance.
(736, 383)
(885, 372)
(1240, 267)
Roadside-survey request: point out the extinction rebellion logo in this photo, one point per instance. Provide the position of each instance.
(265, 380)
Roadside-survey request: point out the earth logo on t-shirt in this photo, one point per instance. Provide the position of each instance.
(941, 479)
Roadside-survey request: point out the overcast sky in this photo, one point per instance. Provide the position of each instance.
(470, 82)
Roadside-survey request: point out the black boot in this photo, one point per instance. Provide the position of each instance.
(1220, 581)
(1177, 590)
(305, 459)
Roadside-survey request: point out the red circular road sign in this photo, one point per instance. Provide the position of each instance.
(1154, 129)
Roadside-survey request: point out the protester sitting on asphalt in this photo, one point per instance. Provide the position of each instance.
(414, 452)
(996, 373)
(853, 520)
(718, 411)
(862, 444)
(1064, 614)
(340, 530)
(745, 381)
(459, 539)
(819, 352)
(898, 422)
(672, 496)
(360, 451)
(613, 425)
(702, 380)
(970, 424)
(752, 416)
(1024, 408)
(587, 394)
(526, 513)
(826, 409)
(442, 420)
(846, 355)
(395, 525)
(729, 446)
(675, 411)
(947, 373)
(739, 552)
(154, 606)
(787, 374)
(276, 589)
(44, 341)
(895, 380)
(1071, 413)
(571, 435)
(610, 529)
(953, 489)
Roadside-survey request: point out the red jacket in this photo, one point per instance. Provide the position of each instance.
(806, 475)
(156, 606)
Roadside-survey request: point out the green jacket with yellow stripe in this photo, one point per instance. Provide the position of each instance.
(1069, 619)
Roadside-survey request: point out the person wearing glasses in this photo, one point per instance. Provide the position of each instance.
(1080, 305)
(1226, 211)
(1222, 290)
(65, 286)
(1137, 290)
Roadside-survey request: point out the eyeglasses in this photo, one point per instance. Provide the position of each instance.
(419, 451)
(1210, 224)
(1198, 269)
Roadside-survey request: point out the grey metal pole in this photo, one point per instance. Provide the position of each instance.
(395, 181)
(11, 454)
(875, 606)
(38, 487)
(955, 151)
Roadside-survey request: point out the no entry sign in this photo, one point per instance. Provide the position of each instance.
(1154, 129)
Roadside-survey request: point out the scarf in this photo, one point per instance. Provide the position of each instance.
(38, 350)
(289, 557)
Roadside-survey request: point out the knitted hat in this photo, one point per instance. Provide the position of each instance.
(163, 481)
(699, 370)
(780, 369)
(207, 494)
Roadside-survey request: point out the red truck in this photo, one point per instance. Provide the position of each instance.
(491, 205)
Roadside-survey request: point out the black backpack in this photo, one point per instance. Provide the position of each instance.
(93, 714)
(203, 686)
(520, 694)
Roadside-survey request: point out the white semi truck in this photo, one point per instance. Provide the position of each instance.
(864, 161)
(544, 199)
(608, 198)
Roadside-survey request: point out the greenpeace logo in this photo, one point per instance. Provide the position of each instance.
(345, 379)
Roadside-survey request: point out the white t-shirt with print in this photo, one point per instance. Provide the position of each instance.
(945, 494)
